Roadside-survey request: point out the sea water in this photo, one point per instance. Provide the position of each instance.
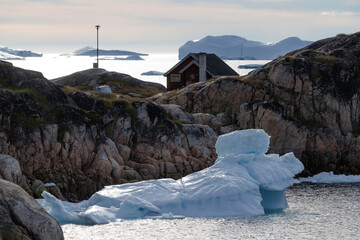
(316, 211)
(55, 65)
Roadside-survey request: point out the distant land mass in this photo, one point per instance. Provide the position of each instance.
(89, 51)
(9, 53)
(231, 47)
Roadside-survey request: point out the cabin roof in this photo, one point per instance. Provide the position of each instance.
(214, 65)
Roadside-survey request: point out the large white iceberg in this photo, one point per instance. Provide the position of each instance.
(244, 181)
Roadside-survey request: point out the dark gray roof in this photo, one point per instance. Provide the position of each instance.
(214, 65)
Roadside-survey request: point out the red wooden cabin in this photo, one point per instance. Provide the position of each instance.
(196, 67)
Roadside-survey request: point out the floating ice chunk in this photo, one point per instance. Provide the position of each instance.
(49, 185)
(244, 181)
(243, 142)
(330, 177)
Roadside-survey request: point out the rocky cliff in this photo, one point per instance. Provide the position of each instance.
(307, 100)
(81, 143)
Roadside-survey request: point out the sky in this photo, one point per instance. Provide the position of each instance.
(162, 26)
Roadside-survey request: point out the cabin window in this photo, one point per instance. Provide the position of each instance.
(175, 78)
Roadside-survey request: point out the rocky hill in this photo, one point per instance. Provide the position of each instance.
(119, 82)
(234, 47)
(307, 100)
(80, 142)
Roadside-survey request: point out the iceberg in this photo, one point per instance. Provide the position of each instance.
(243, 182)
(330, 177)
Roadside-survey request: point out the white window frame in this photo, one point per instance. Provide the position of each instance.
(175, 77)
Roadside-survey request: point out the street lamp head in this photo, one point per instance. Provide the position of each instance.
(97, 26)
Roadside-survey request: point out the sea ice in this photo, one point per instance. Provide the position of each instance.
(244, 181)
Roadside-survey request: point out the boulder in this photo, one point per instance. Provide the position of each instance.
(22, 217)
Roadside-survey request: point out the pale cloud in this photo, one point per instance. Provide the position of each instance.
(334, 13)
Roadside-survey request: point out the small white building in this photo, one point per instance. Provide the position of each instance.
(105, 89)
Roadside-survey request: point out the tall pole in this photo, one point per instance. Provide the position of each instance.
(97, 44)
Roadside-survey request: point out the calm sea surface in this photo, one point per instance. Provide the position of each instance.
(54, 66)
(316, 211)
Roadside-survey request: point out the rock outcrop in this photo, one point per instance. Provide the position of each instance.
(22, 217)
(307, 101)
(97, 76)
(80, 143)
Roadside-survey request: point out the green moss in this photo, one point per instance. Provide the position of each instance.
(251, 80)
(171, 94)
(92, 116)
(329, 60)
(341, 35)
(26, 188)
(122, 86)
(30, 122)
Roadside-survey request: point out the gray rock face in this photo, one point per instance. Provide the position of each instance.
(22, 217)
(81, 146)
(10, 169)
(308, 101)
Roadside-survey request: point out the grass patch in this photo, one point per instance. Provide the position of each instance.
(171, 94)
(30, 122)
(92, 116)
(251, 80)
(122, 86)
(69, 90)
(329, 60)
(341, 35)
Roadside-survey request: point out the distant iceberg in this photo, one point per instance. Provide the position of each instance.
(330, 177)
(152, 73)
(18, 53)
(244, 181)
(8, 56)
(250, 66)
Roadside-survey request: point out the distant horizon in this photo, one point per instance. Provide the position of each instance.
(175, 51)
(162, 26)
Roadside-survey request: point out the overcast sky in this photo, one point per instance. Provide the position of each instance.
(151, 26)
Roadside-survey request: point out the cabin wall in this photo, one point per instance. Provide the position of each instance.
(177, 85)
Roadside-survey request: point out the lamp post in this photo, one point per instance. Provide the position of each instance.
(97, 46)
